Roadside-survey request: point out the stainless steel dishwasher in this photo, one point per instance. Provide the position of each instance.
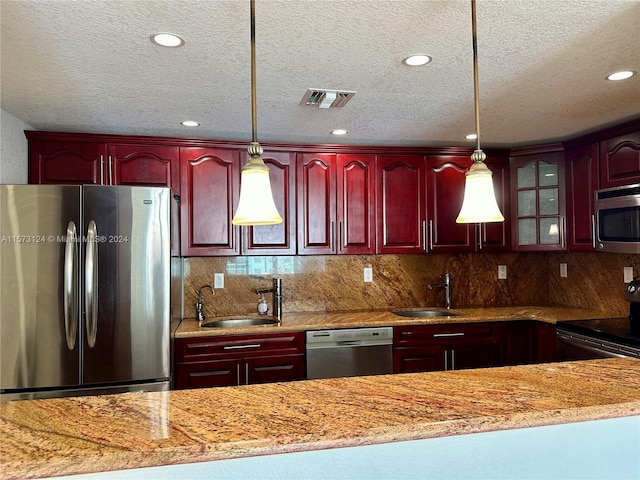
(349, 352)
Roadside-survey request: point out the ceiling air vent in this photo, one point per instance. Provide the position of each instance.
(325, 98)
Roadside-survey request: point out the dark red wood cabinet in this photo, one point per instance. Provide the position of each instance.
(335, 201)
(277, 239)
(238, 360)
(620, 160)
(146, 165)
(528, 342)
(401, 204)
(538, 201)
(496, 236)
(210, 190)
(355, 204)
(65, 162)
(85, 159)
(581, 170)
(452, 346)
(316, 201)
(545, 338)
(445, 193)
(95, 159)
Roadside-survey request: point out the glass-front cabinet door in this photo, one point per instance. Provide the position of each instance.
(538, 196)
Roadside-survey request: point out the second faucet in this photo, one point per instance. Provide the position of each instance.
(446, 284)
(277, 297)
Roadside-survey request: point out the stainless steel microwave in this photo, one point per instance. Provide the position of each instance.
(617, 219)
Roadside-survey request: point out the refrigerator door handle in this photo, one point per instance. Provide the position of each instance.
(91, 284)
(71, 286)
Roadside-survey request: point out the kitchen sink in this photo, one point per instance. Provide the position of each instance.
(240, 322)
(424, 313)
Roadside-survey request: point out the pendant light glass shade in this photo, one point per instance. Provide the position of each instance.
(256, 206)
(479, 204)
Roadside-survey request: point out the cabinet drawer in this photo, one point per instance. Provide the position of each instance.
(445, 334)
(218, 373)
(236, 346)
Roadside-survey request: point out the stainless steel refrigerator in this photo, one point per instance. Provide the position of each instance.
(84, 290)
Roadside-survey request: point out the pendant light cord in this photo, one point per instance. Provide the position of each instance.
(476, 89)
(254, 113)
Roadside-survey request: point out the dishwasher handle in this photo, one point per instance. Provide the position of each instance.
(349, 343)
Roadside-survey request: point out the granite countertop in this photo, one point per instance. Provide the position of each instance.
(41, 438)
(375, 318)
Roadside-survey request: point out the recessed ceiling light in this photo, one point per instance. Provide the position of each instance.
(417, 60)
(190, 123)
(167, 40)
(471, 136)
(622, 75)
(339, 131)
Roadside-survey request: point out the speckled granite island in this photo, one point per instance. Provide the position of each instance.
(42, 438)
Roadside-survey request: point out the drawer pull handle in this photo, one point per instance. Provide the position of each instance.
(457, 334)
(237, 347)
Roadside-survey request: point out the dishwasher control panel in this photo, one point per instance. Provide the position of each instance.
(374, 335)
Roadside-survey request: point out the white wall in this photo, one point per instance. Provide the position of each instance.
(13, 149)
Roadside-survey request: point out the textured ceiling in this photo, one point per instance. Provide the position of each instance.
(90, 66)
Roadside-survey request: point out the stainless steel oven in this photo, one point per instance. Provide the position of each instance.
(576, 346)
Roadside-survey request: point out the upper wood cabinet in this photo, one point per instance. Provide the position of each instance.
(147, 165)
(496, 236)
(355, 204)
(316, 179)
(581, 166)
(66, 162)
(335, 203)
(92, 159)
(538, 200)
(210, 189)
(82, 159)
(277, 239)
(445, 192)
(620, 160)
(401, 204)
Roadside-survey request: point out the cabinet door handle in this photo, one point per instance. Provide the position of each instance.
(424, 235)
(246, 374)
(332, 237)
(238, 347)
(482, 229)
(237, 374)
(456, 334)
(431, 235)
(593, 231)
(453, 359)
(340, 239)
(101, 170)
(445, 360)
(110, 171)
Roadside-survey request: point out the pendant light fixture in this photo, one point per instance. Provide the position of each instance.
(256, 205)
(479, 203)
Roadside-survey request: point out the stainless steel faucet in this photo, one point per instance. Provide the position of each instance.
(199, 306)
(446, 284)
(277, 297)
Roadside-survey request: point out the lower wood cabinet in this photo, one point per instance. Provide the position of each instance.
(545, 337)
(454, 346)
(424, 348)
(238, 360)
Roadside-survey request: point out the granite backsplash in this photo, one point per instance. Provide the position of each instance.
(335, 282)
